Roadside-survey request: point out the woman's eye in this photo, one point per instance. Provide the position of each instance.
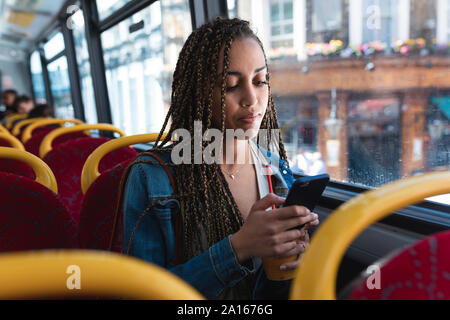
(231, 88)
(261, 83)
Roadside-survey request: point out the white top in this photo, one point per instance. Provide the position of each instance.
(260, 161)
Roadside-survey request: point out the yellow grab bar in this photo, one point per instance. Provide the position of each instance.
(28, 132)
(90, 169)
(88, 273)
(315, 278)
(46, 144)
(17, 127)
(3, 129)
(44, 174)
(13, 117)
(15, 143)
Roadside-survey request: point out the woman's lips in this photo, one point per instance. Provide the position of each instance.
(250, 119)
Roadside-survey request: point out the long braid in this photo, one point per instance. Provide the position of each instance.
(210, 204)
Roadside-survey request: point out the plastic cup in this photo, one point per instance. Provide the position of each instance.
(272, 268)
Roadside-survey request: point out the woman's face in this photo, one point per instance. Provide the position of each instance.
(247, 91)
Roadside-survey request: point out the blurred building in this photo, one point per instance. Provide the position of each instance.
(388, 63)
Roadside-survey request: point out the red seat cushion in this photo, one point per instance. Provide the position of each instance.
(66, 161)
(421, 271)
(32, 217)
(98, 209)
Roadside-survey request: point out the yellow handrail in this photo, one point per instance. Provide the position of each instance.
(86, 273)
(28, 132)
(90, 169)
(17, 127)
(46, 144)
(44, 174)
(13, 117)
(3, 129)
(315, 278)
(15, 143)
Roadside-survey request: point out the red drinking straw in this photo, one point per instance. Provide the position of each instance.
(270, 182)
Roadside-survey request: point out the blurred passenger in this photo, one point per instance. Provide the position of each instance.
(23, 104)
(8, 97)
(43, 110)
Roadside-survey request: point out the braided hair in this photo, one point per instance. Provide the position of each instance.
(205, 198)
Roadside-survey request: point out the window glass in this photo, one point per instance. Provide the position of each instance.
(380, 20)
(37, 77)
(361, 88)
(281, 24)
(140, 57)
(60, 86)
(54, 46)
(107, 7)
(84, 67)
(326, 15)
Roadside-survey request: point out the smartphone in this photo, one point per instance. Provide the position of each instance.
(306, 191)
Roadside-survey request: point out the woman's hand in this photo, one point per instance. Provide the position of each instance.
(301, 247)
(267, 234)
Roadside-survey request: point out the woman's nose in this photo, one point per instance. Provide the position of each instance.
(249, 97)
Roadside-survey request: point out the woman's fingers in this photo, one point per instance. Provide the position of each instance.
(267, 202)
(296, 221)
(300, 249)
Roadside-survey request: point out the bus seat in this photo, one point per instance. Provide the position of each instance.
(12, 118)
(98, 209)
(10, 165)
(32, 144)
(67, 160)
(19, 128)
(420, 272)
(34, 216)
(45, 123)
(101, 194)
(87, 274)
(315, 278)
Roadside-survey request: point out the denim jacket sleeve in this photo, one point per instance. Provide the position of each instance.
(153, 239)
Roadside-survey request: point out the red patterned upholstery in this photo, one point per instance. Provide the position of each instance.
(32, 145)
(17, 167)
(32, 217)
(13, 166)
(98, 209)
(420, 272)
(66, 161)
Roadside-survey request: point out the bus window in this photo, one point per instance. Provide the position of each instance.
(60, 87)
(106, 8)
(37, 77)
(361, 87)
(54, 46)
(140, 55)
(84, 67)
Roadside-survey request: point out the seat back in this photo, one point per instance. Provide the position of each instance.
(102, 193)
(33, 143)
(66, 161)
(52, 274)
(32, 217)
(420, 272)
(98, 209)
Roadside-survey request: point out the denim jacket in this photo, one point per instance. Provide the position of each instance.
(154, 239)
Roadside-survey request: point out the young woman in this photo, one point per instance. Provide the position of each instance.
(211, 226)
